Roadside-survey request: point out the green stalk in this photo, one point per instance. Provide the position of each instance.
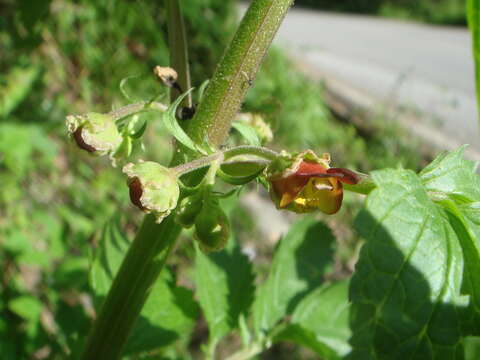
(177, 40)
(237, 70)
(154, 242)
(132, 284)
(473, 11)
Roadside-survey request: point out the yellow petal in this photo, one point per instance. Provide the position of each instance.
(324, 194)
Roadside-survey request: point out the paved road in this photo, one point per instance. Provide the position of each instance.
(424, 68)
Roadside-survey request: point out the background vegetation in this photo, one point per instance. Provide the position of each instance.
(451, 12)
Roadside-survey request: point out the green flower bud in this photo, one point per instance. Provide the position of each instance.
(212, 228)
(153, 188)
(188, 209)
(95, 133)
(256, 121)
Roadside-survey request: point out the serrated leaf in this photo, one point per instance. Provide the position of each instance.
(170, 312)
(225, 288)
(453, 175)
(456, 177)
(247, 132)
(465, 221)
(172, 126)
(300, 263)
(321, 321)
(406, 287)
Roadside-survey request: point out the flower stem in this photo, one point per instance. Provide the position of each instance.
(260, 152)
(177, 40)
(132, 284)
(236, 71)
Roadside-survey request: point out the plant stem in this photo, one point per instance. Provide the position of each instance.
(262, 152)
(236, 71)
(228, 154)
(177, 40)
(132, 284)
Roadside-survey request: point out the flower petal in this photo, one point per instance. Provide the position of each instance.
(345, 175)
(321, 194)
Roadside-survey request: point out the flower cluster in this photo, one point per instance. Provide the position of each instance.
(301, 182)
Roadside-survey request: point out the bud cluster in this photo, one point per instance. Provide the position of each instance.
(203, 211)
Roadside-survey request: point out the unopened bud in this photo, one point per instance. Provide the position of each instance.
(188, 209)
(212, 228)
(95, 133)
(256, 121)
(153, 188)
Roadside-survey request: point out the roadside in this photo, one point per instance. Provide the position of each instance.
(421, 76)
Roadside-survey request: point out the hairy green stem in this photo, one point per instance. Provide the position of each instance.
(236, 71)
(132, 284)
(228, 154)
(177, 40)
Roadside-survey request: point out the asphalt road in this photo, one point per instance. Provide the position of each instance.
(427, 69)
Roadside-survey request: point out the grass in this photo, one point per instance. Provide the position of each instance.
(442, 12)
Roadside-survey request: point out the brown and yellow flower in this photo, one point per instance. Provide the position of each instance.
(307, 183)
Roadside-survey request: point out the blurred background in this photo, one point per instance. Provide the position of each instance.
(60, 57)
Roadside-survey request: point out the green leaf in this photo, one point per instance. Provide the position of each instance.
(170, 312)
(240, 173)
(28, 307)
(300, 263)
(455, 177)
(406, 287)
(451, 174)
(172, 126)
(465, 221)
(18, 83)
(321, 321)
(225, 288)
(248, 133)
(472, 348)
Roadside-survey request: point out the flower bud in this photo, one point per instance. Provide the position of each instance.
(153, 188)
(95, 133)
(212, 228)
(256, 121)
(188, 209)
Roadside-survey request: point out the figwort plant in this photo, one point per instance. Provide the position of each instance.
(416, 288)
